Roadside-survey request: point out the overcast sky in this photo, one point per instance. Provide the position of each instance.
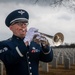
(47, 19)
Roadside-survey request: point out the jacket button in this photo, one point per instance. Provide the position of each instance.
(28, 57)
(30, 68)
(29, 62)
(27, 52)
(30, 73)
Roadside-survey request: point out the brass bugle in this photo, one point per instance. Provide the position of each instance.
(58, 38)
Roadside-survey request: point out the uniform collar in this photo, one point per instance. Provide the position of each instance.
(17, 38)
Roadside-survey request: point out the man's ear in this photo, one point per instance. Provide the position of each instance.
(10, 27)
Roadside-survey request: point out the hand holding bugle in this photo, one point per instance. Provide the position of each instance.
(34, 34)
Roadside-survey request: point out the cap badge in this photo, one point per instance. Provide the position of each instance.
(21, 12)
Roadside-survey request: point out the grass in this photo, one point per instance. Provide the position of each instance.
(60, 70)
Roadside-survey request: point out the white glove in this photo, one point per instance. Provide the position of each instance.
(30, 34)
(36, 38)
(41, 39)
(44, 41)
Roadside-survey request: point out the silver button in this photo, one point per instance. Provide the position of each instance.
(27, 52)
(30, 68)
(17, 38)
(30, 73)
(28, 57)
(29, 62)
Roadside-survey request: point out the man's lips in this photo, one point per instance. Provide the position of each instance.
(24, 30)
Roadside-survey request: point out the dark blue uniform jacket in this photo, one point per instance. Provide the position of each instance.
(22, 60)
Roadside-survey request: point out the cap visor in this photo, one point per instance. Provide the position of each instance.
(19, 20)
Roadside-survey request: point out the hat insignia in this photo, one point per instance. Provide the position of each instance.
(21, 12)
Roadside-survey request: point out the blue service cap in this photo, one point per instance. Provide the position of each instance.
(17, 15)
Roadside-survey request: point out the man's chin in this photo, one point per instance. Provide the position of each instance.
(22, 35)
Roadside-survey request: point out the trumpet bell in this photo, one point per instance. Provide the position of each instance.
(58, 39)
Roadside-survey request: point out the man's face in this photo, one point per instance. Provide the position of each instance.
(19, 29)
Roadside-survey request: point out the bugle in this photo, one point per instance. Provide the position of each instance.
(58, 38)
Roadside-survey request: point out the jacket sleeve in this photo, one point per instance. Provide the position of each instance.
(46, 54)
(12, 54)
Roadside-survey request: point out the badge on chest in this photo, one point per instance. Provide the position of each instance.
(34, 50)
